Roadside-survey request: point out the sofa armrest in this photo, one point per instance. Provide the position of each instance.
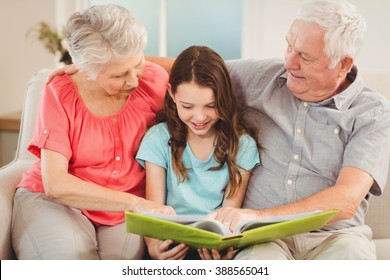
(10, 176)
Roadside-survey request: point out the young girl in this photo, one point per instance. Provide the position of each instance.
(200, 157)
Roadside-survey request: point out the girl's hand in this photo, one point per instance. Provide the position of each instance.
(215, 255)
(159, 250)
(68, 69)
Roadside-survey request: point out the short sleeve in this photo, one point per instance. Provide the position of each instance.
(153, 86)
(52, 123)
(154, 147)
(369, 146)
(248, 155)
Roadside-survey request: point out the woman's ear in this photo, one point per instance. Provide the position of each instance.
(169, 88)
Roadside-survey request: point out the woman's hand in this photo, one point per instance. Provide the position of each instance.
(144, 205)
(159, 250)
(215, 255)
(68, 69)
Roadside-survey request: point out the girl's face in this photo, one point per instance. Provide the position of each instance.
(196, 108)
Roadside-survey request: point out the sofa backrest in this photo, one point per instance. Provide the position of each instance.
(378, 216)
(33, 93)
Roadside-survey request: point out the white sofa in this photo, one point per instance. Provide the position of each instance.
(378, 216)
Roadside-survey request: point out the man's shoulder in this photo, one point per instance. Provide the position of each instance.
(253, 71)
(271, 64)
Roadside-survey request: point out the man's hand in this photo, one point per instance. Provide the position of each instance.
(231, 217)
(68, 69)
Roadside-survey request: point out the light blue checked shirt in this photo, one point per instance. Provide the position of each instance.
(306, 144)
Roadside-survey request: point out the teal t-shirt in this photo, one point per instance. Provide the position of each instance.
(204, 191)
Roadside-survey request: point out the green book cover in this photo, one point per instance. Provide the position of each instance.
(200, 232)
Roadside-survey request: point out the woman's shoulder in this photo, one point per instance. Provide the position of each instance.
(61, 87)
(155, 73)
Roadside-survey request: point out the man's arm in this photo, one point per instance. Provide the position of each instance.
(351, 187)
(165, 62)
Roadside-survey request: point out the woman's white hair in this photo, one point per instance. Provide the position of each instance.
(102, 33)
(344, 27)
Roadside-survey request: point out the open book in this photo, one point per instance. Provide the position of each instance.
(201, 232)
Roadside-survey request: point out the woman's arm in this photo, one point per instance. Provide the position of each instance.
(70, 190)
(165, 62)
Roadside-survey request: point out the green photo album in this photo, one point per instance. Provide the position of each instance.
(202, 232)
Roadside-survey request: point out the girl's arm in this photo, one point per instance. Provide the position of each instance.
(156, 191)
(155, 183)
(238, 198)
(234, 202)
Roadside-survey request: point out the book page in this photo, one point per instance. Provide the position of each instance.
(201, 222)
(247, 225)
(213, 226)
(180, 219)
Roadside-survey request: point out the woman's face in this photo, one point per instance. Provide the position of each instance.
(120, 77)
(196, 108)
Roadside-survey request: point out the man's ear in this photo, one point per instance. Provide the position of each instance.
(346, 65)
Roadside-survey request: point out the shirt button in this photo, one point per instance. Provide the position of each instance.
(118, 158)
(45, 131)
(117, 139)
(115, 172)
(289, 182)
(305, 104)
(114, 120)
(336, 131)
(299, 130)
(296, 157)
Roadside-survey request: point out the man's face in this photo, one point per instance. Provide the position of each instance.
(309, 76)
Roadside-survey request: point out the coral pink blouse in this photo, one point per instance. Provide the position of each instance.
(99, 149)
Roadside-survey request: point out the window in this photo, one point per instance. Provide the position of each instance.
(174, 25)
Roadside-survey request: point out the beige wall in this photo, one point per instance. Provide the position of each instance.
(271, 23)
(20, 57)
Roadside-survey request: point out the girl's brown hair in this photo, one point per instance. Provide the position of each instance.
(206, 68)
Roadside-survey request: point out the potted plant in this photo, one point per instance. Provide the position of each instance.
(53, 40)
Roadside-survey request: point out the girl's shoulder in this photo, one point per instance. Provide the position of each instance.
(247, 140)
(158, 130)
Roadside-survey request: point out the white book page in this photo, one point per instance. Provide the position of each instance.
(212, 226)
(247, 225)
(180, 219)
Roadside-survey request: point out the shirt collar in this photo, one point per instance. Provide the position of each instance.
(344, 99)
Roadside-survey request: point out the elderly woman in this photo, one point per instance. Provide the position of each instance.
(70, 204)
